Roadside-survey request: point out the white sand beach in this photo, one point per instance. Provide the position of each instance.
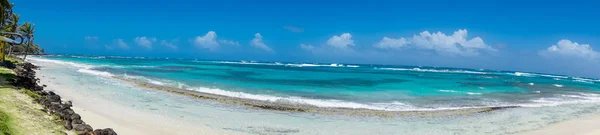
(583, 126)
(102, 113)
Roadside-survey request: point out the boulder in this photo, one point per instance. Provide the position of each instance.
(54, 106)
(106, 131)
(68, 125)
(75, 116)
(53, 98)
(76, 121)
(83, 128)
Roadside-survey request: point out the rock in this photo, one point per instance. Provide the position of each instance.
(54, 106)
(54, 98)
(75, 116)
(76, 121)
(84, 128)
(106, 131)
(68, 125)
(65, 113)
(86, 133)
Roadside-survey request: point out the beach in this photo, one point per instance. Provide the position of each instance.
(582, 126)
(134, 107)
(124, 120)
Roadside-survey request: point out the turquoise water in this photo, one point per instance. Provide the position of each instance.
(381, 87)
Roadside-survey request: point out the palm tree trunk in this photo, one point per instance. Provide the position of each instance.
(27, 48)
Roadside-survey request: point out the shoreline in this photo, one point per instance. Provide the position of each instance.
(128, 119)
(305, 108)
(101, 112)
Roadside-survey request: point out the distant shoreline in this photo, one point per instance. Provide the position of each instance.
(295, 107)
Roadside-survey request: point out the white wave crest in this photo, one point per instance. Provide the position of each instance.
(451, 91)
(558, 85)
(94, 72)
(79, 65)
(83, 68)
(579, 98)
(434, 70)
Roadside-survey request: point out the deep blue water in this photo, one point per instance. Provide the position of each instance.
(348, 85)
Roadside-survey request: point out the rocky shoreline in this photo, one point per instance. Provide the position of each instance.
(295, 107)
(53, 104)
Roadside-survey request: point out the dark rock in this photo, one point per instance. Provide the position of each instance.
(86, 133)
(68, 125)
(55, 106)
(84, 128)
(75, 116)
(106, 131)
(76, 121)
(54, 98)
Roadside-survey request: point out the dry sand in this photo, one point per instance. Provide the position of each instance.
(589, 125)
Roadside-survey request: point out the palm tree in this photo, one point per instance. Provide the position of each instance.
(14, 25)
(27, 30)
(5, 13)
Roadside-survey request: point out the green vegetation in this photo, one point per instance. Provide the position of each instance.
(19, 115)
(10, 24)
(5, 124)
(31, 94)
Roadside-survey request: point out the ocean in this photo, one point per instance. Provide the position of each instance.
(541, 99)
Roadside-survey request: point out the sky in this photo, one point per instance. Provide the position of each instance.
(558, 37)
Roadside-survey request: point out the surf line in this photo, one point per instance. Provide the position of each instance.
(306, 108)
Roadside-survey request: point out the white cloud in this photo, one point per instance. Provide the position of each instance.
(390, 43)
(208, 41)
(343, 41)
(258, 43)
(307, 47)
(455, 44)
(567, 48)
(229, 42)
(170, 44)
(91, 38)
(121, 44)
(144, 41)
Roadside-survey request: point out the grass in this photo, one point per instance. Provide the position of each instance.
(31, 94)
(20, 114)
(5, 124)
(13, 59)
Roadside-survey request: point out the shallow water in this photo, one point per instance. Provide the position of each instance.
(547, 101)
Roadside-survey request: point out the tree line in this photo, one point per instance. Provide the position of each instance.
(12, 29)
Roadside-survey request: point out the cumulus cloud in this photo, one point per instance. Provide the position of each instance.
(294, 29)
(208, 41)
(568, 48)
(170, 44)
(91, 38)
(343, 41)
(390, 43)
(258, 43)
(229, 42)
(307, 47)
(145, 42)
(455, 44)
(120, 43)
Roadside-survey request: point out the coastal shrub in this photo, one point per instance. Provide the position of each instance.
(5, 125)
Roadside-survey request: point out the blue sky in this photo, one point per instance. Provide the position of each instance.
(507, 35)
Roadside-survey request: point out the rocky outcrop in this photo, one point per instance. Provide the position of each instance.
(53, 104)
